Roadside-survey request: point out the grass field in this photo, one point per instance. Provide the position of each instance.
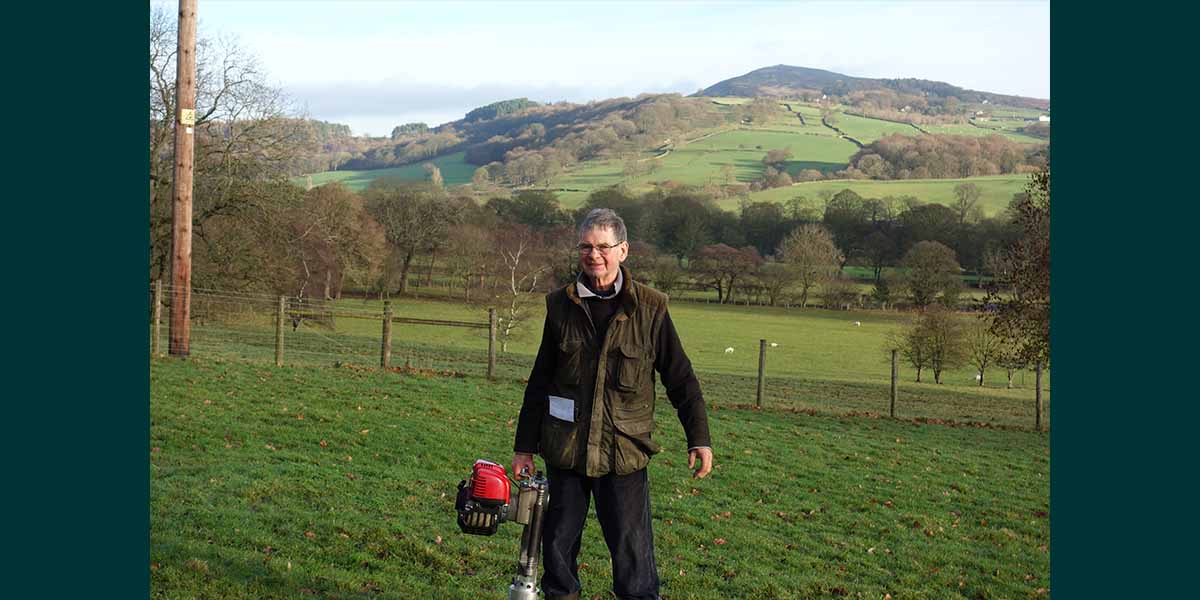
(702, 161)
(868, 130)
(997, 190)
(454, 171)
(971, 130)
(823, 362)
(339, 483)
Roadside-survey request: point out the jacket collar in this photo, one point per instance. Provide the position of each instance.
(627, 293)
(582, 289)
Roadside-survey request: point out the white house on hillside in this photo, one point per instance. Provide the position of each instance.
(1044, 119)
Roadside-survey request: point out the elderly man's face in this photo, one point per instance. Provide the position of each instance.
(601, 261)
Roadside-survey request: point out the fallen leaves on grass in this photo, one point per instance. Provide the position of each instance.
(324, 443)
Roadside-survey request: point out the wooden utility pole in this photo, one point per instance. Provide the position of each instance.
(185, 120)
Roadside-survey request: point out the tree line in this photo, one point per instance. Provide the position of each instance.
(1013, 332)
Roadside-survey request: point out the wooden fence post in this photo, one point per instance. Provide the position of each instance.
(491, 372)
(156, 341)
(894, 373)
(762, 365)
(385, 350)
(1037, 419)
(279, 332)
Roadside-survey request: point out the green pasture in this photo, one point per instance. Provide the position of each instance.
(806, 110)
(730, 100)
(822, 361)
(701, 161)
(970, 130)
(867, 130)
(1008, 111)
(454, 171)
(997, 190)
(339, 483)
(1000, 124)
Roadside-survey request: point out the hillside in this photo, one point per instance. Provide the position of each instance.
(798, 82)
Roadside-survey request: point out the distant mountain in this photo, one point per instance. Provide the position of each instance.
(786, 80)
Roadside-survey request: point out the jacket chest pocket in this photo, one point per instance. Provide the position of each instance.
(628, 370)
(570, 362)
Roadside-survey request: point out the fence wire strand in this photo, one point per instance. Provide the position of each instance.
(244, 326)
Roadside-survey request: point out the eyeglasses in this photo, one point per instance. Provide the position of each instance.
(603, 248)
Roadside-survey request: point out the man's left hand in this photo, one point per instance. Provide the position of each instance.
(705, 457)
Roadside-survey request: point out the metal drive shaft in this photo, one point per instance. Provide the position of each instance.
(524, 585)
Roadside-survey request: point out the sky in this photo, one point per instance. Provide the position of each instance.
(374, 65)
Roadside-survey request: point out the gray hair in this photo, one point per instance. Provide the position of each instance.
(604, 218)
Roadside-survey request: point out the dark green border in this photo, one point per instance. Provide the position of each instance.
(1122, 440)
(77, 405)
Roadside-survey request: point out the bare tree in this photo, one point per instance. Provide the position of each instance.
(933, 340)
(415, 218)
(932, 269)
(246, 132)
(983, 347)
(468, 251)
(943, 334)
(524, 268)
(966, 203)
(776, 277)
(913, 349)
(721, 267)
(435, 175)
(813, 255)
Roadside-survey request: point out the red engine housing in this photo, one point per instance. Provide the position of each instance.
(489, 483)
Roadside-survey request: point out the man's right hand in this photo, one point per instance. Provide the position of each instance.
(521, 461)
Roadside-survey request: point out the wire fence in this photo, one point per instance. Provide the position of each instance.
(259, 327)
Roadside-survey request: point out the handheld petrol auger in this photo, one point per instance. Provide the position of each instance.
(489, 498)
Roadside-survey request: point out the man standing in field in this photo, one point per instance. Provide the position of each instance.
(589, 411)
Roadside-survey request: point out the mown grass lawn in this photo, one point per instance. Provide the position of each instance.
(339, 483)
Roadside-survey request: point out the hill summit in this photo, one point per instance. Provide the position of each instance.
(787, 80)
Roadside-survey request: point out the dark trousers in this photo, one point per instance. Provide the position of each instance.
(623, 509)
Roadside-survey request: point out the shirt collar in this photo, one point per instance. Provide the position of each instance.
(584, 292)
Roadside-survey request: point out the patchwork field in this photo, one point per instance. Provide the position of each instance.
(705, 160)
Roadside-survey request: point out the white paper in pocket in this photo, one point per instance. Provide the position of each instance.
(562, 408)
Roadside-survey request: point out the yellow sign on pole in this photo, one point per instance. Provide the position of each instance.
(187, 116)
